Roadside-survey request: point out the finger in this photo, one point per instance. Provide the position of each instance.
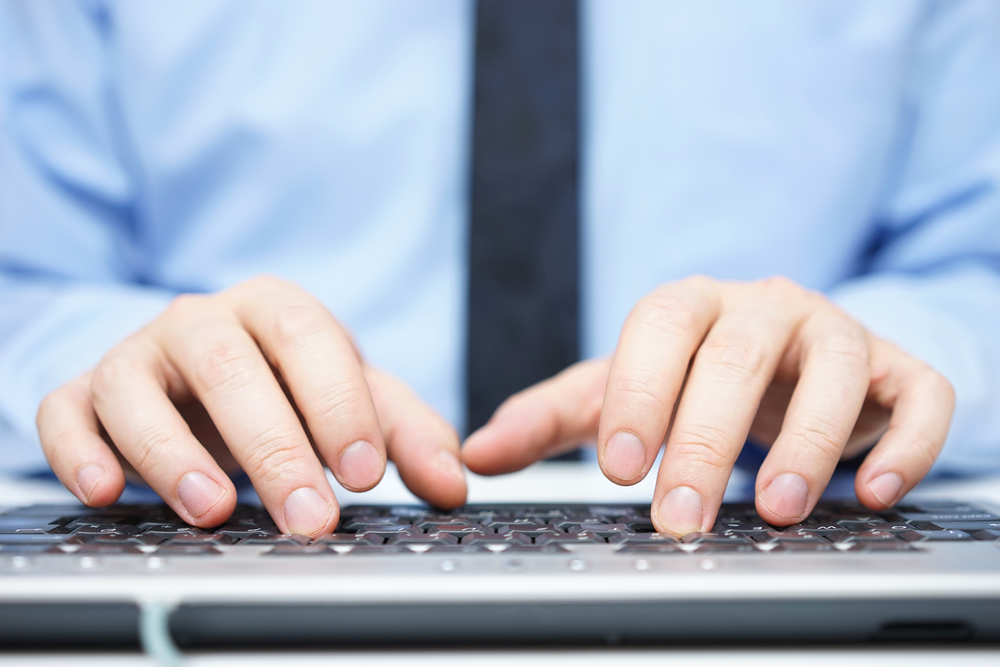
(657, 342)
(547, 419)
(424, 447)
(922, 403)
(74, 447)
(226, 371)
(728, 378)
(318, 363)
(821, 415)
(129, 393)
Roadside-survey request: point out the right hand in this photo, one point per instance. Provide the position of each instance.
(259, 377)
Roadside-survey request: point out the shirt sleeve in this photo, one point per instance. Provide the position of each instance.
(69, 281)
(930, 281)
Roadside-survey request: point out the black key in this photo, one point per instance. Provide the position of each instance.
(468, 549)
(198, 538)
(105, 529)
(365, 550)
(937, 517)
(242, 532)
(389, 524)
(453, 527)
(19, 549)
(986, 535)
(650, 549)
(788, 537)
(166, 527)
(798, 546)
(641, 526)
(857, 526)
(14, 524)
(66, 511)
(600, 528)
(708, 539)
(523, 549)
(38, 538)
(883, 545)
(495, 538)
(648, 539)
(101, 549)
(968, 526)
(571, 538)
(128, 540)
(533, 531)
(187, 550)
(301, 550)
(350, 539)
(942, 536)
(865, 535)
(438, 539)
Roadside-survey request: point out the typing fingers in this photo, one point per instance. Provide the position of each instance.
(71, 438)
(317, 361)
(656, 345)
(821, 415)
(728, 376)
(129, 392)
(544, 420)
(922, 402)
(424, 447)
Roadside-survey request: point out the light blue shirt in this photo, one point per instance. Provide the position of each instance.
(150, 148)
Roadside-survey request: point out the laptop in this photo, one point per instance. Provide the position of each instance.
(520, 573)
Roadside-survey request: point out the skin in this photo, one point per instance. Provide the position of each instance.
(259, 377)
(262, 377)
(702, 364)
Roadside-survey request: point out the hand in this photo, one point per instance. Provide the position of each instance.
(259, 377)
(701, 365)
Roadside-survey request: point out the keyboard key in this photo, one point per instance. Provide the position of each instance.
(571, 538)
(301, 550)
(986, 535)
(101, 549)
(187, 550)
(664, 548)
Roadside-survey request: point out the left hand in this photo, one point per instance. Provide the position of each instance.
(700, 365)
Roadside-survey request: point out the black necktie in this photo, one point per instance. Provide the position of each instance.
(523, 283)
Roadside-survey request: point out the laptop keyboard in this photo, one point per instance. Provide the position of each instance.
(486, 529)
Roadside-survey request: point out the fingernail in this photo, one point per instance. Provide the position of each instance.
(87, 478)
(786, 495)
(199, 493)
(680, 511)
(886, 487)
(624, 457)
(306, 513)
(450, 464)
(360, 466)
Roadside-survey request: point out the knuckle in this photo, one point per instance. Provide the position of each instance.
(341, 400)
(668, 313)
(737, 357)
(702, 445)
(940, 385)
(821, 436)
(848, 350)
(275, 455)
(294, 323)
(223, 365)
(267, 282)
(699, 281)
(643, 387)
(150, 447)
(780, 287)
(112, 373)
(186, 306)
